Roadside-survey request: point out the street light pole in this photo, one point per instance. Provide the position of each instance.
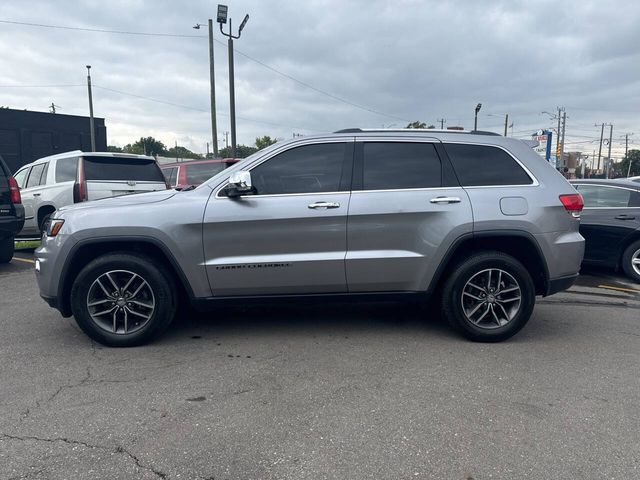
(91, 124)
(212, 79)
(475, 121)
(222, 19)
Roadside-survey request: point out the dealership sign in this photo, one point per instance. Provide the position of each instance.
(543, 137)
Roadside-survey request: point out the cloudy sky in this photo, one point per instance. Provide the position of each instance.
(315, 66)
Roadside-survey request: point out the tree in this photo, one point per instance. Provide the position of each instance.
(417, 124)
(242, 151)
(633, 157)
(113, 148)
(182, 152)
(146, 145)
(263, 142)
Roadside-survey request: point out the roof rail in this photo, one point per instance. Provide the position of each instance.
(414, 130)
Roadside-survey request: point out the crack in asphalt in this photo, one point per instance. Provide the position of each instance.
(79, 384)
(119, 449)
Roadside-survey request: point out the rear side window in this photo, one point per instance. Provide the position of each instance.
(66, 169)
(598, 196)
(35, 177)
(482, 165)
(400, 165)
(122, 169)
(197, 174)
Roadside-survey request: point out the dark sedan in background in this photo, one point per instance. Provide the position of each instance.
(610, 223)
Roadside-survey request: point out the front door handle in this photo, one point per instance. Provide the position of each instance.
(445, 200)
(324, 205)
(624, 216)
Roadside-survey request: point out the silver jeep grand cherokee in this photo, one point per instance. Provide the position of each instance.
(479, 220)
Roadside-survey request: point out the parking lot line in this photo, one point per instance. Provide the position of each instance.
(26, 260)
(620, 289)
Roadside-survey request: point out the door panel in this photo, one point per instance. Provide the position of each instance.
(605, 230)
(276, 244)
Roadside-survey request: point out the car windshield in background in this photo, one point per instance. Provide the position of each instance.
(197, 174)
(122, 168)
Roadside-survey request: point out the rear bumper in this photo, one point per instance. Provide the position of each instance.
(556, 285)
(11, 225)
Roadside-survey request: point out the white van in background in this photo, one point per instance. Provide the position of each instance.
(58, 180)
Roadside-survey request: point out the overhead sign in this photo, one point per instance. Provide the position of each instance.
(543, 137)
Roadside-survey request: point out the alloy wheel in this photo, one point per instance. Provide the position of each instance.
(491, 298)
(120, 302)
(635, 261)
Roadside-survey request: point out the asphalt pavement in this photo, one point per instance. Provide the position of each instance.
(382, 391)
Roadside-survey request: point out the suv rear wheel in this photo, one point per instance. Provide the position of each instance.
(121, 300)
(489, 297)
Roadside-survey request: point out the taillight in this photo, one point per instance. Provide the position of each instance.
(80, 187)
(14, 189)
(572, 203)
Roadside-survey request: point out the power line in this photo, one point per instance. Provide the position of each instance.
(249, 57)
(100, 30)
(42, 86)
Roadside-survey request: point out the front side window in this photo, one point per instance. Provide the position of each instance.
(66, 169)
(21, 176)
(400, 165)
(598, 196)
(305, 169)
(483, 165)
(36, 175)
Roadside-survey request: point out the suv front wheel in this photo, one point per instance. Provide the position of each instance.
(122, 300)
(489, 297)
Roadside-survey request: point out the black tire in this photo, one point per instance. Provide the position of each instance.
(43, 222)
(631, 253)
(163, 295)
(515, 314)
(7, 247)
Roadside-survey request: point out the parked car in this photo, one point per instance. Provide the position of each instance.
(72, 177)
(477, 220)
(194, 172)
(610, 224)
(11, 212)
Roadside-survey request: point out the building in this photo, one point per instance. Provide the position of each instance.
(26, 136)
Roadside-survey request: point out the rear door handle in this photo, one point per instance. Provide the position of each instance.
(37, 194)
(324, 205)
(445, 200)
(624, 217)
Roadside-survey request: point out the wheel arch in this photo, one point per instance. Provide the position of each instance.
(44, 210)
(519, 244)
(88, 250)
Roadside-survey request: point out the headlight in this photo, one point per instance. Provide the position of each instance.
(53, 227)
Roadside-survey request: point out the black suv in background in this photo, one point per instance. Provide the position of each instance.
(11, 212)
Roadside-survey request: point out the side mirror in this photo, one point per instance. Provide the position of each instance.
(239, 184)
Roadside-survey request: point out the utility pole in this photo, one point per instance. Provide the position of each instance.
(610, 141)
(626, 151)
(442, 120)
(222, 19)
(212, 80)
(506, 123)
(475, 119)
(91, 125)
(226, 139)
(564, 126)
(600, 148)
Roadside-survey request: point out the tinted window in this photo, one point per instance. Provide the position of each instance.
(197, 174)
(171, 174)
(390, 165)
(21, 176)
(122, 169)
(481, 165)
(66, 169)
(307, 169)
(36, 174)
(598, 196)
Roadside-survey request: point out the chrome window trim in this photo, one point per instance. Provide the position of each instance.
(424, 189)
(223, 197)
(533, 178)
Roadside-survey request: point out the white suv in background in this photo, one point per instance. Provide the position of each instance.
(58, 180)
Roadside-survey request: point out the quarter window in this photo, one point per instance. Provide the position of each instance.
(400, 165)
(66, 169)
(171, 174)
(600, 196)
(483, 165)
(306, 169)
(21, 176)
